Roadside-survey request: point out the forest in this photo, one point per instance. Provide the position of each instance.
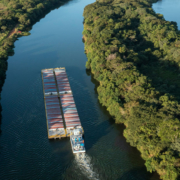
(134, 54)
(16, 19)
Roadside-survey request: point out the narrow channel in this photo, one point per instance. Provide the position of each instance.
(25, 151)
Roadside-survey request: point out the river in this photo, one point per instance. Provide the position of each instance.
(169, 9)
(25, 151)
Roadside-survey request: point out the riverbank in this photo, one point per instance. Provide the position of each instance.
(17, 18)
(26, 153)
(134, 54)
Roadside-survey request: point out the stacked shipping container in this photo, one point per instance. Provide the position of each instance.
(53, 111)
(49, 82)
(55, 119)
(62, 81)
(71, 116)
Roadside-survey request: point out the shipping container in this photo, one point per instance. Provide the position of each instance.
(54, 118)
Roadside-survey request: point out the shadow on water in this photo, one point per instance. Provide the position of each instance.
(103, 108)
(0, 118)
(87, 109)
(139, 173)
(120, 141)
(10, 51)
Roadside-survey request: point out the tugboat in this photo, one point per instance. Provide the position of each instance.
(77, 141)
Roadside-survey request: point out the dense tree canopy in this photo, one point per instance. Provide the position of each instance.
(135, 55)
(17, 14)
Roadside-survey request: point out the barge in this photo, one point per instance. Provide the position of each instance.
(61, 113)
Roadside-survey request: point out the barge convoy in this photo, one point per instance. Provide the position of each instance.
(61, 113)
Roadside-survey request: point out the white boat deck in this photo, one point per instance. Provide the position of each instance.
(77, 142)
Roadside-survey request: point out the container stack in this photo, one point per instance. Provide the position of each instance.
(62, 81)
(71, 116)
(49, 82)
(61, 112)
(54, 116)
(54, 119)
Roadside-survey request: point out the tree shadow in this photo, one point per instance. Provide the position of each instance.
(163, 74)
(140, 174)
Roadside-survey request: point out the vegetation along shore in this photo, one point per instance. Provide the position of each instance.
(17, 18)
(135, 55)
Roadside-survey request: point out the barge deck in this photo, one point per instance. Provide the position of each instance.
(61, 113)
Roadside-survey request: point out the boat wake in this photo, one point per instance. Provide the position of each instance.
(84, 163)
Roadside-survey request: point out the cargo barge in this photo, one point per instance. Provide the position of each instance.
(61, 113)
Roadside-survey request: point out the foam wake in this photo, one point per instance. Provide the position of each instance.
(84, 163)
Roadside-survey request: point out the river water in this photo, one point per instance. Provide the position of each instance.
(169, 9)
(25, 151)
